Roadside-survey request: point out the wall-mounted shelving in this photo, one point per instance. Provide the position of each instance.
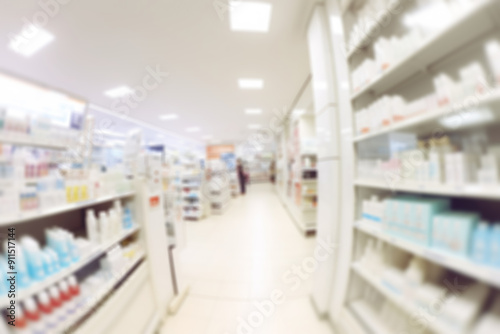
(465, 28)
(24, 217)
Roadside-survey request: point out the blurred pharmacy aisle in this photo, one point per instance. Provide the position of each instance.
(234, 262)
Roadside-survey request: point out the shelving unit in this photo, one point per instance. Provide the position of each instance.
(466, 27)
(430, 119)
(487, 274)
(58, 210)
(369, 318)
(104, 291)
(26, 140)
(464, 191)
(94, 255)
(446, 51)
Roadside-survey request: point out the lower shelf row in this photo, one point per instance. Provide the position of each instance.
(65, 305)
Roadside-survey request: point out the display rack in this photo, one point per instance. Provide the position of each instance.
(296, 163)
(96, 253)
(445, 50)
(219, 186)
(25, 217)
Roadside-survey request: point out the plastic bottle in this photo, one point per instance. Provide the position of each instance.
(92, 227)
(104, 226)
(54, 259)
(57, 304)
(34, 258)
(21, 323)
(33, 315)
(47, 311)
(67, 297)
(23, 279)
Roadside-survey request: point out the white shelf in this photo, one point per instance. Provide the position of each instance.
(65, 208)
(371, 34)
(466, 26)
(100, 295)
(40, 286)
(369, 317)
(424, 121)
(465, 191)
(399, 300)
(26, 140)
(489, 275)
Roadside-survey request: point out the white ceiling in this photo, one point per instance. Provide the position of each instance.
(100, 45)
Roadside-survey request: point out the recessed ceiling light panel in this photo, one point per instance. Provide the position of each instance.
(168, 117)
(30, 40)
(249, 16)
(119, 92)
(253, 111)
(251, 83)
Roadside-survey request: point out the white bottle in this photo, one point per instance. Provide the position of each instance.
(92, 227)
(113, 221)
(104, 226)
(49, 317)
(117, 205)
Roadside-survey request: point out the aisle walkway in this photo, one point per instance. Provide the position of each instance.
(237, 259)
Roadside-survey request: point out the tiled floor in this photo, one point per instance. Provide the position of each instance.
(238, 259)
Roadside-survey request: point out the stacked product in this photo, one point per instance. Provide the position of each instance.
(15, 123)
(35, 264)
(30, 182)
(435, 162)
(108, 225)
(473, 84)
(430, 223)
(48, 311)
(420, 286)
(389, 51)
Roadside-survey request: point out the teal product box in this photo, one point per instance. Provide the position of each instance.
(439, 235)
(389, 219)
(482, 243)
(456, 231)
(404, 215)
(424, 212)
(495, 245)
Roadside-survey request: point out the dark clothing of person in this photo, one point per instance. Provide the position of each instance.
(241, 179)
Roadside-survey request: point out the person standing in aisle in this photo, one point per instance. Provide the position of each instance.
(241, 176)
(272, 171)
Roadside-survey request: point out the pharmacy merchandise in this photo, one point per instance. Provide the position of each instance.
(388, 51)
(430, 223)
(444, 161)
(31, 181)
(62, 305)
(455, 96)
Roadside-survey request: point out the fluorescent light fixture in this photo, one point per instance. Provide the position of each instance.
(299, 112)
(251, 83)
(168, 117)
(249, 16)
(30, 40)
(253, 111)
(119, 92)
(193, 129)
(467, 118)
(254, 126)
(207, 137)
